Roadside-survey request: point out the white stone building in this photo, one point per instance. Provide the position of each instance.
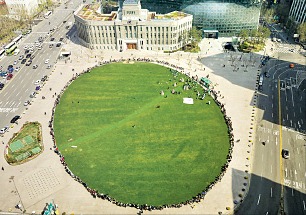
(17, 7)
(298, 11)
(132, 28)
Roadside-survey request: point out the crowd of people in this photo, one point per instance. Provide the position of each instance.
(95, 193)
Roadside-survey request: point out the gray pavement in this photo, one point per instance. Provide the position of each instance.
(43, 179)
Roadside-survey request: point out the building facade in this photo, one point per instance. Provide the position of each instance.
(22, 7)
(132, 27)
(222, 17)
(298, 11)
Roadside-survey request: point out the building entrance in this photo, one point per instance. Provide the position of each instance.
(131, 46)
(210, 34)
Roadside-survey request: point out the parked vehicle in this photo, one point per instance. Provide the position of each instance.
(15, 119)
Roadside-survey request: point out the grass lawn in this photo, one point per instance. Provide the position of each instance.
(25, 144)
(135, 144)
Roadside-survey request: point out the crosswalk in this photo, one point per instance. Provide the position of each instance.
(286, 50)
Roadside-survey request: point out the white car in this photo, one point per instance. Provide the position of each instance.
(39, 47)
(26, 47)
(37, 44)
(17, 69)
(37, 82)
(20, 57)
(47, 61)
(26, 103)
(15, 62)
(49, 66)
(3, 130)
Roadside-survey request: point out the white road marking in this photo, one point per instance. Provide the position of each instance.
(304, 205)
(272, 105)
(299, 165)
(12, 104)
(258, 199)
(294, 113)
(287, 116)
(298, 150)
(271, 192)
(292, 192)
(300, 110)
(286, 172)
(272, 116)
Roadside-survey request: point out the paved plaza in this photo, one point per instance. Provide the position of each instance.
(44, 179)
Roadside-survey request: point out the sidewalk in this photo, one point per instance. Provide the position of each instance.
(43, 179)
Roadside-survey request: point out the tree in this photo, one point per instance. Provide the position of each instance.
(244, 34)
(301, 30)
(195, 35)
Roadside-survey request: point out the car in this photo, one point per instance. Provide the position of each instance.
(37, 88)
(285, 153)
(15, 119)
(51, 45)
(64, 21)
(31, 51)
(267, 75)
(39, 48)
(61, 39)
(46, 61)
(37, 82)
(26, 51)
(15, 62)
(279, 40)
(26, 103)
(52, 39)
(17, 69)
(1, 86)
(291, 65)
(49, 66)
(20, 57)
(35, 66)
(4, 129)
(58, 44)
(37, 44)
(26, 47)
(9, 76)
(32, 95)
(23, 61)
(28, 63)
(32, 57)
(28, 55)
(44, 78)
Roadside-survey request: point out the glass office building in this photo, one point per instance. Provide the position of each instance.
(216, 18)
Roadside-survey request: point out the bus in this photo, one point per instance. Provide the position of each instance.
(17, 39)
(2, 53)
(9, 48)
(49, 13)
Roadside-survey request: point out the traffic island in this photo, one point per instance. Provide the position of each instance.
(24, 145)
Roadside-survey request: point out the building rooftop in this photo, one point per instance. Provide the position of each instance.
(175, 15)
(89, 12)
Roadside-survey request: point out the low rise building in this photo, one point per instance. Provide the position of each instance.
(132, 27)
(22, 7)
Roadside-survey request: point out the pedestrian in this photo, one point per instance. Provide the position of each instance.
(3, 142)
(45, 113)
(2, 168)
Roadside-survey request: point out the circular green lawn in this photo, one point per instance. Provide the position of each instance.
(124, 139)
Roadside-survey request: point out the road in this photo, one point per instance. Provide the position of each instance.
(18, 89)
(278, 184)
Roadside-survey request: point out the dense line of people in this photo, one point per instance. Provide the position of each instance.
(96, 194)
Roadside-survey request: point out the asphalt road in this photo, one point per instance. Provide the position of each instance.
(18, 89)
(281, 125)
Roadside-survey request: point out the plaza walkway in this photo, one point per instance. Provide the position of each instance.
(44, 179)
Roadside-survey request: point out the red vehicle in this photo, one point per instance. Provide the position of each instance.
(9, 76)
(291, 65)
